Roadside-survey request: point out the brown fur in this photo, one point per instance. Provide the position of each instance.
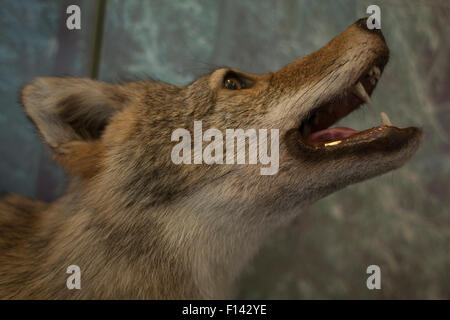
(140, 226)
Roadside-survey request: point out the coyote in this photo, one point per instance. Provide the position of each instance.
(142, 227)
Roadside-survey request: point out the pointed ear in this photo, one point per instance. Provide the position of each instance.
(70, 115)
(70, 109)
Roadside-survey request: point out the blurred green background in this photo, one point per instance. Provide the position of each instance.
(399, 221)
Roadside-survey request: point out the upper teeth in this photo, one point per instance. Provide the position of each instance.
(376, 72)
(374, 75)
(361, 93)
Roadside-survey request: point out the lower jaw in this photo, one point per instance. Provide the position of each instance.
(383, 139)
(332, 136)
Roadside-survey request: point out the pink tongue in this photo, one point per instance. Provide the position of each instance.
(331, 134)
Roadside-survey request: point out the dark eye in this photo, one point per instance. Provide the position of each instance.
(233, 83)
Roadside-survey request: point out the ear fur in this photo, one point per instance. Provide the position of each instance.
(71, 114)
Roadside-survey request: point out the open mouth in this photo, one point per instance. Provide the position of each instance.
(316, 131)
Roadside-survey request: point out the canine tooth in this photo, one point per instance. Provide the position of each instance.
(334, 143)
(385, 119)
(376, 72)
(359, 90)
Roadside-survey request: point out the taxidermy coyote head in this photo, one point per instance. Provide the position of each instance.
(140, 224)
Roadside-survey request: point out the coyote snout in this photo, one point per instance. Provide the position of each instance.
(141, 226)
